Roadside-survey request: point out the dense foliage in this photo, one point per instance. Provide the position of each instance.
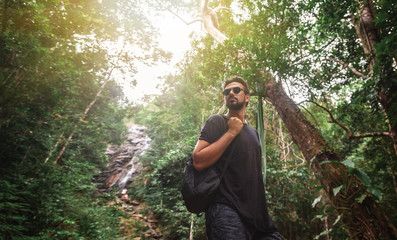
(59, 108)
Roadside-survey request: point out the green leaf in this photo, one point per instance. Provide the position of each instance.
(361, 198)
(323, 233)
(348, 163)
(376, 192)
(328, 161)
(337, 189)
(337, 220)
(361, 175)
(317, 200)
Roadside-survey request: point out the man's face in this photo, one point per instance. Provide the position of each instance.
(236, 101)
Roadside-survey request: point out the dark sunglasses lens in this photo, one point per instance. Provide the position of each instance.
(236, 90)
(226, 92)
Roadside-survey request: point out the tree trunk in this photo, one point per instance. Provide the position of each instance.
(363, 220)
(370, 35)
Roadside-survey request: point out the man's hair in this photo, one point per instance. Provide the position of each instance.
(239, 80)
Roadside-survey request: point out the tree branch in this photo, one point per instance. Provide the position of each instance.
(187, 23)
(217, 9)
(345, 65)
(348, 132)
(209, 19)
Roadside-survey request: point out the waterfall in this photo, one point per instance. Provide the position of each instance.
(128, 176)
(124, 162)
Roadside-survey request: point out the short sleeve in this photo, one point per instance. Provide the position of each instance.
(214, 128)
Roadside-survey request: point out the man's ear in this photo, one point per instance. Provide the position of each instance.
(247, 98)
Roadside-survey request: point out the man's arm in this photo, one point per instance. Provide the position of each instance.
(206, 154)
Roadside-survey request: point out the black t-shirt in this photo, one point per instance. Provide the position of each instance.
(242, 185)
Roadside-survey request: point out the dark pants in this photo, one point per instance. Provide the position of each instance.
(223, 222)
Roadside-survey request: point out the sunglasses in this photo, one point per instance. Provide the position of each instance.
(236, 90)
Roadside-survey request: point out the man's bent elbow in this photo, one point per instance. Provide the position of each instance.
(197, 165)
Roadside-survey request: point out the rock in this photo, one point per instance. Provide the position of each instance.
(153, 220)
(124, 162)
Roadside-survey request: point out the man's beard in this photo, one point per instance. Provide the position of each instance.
(235, 105)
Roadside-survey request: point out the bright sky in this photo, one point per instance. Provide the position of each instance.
(175, 39)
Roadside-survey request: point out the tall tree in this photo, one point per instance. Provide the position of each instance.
(377, 40)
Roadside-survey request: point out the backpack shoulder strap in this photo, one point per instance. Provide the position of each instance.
(226, 118)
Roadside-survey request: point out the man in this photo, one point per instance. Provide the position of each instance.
(239, 209)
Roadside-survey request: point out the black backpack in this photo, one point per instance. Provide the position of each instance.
(199, 188)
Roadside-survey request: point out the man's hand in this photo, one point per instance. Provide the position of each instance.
(235, 126)
(206, 154)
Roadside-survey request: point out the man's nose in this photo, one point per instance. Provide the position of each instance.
(232, 94)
